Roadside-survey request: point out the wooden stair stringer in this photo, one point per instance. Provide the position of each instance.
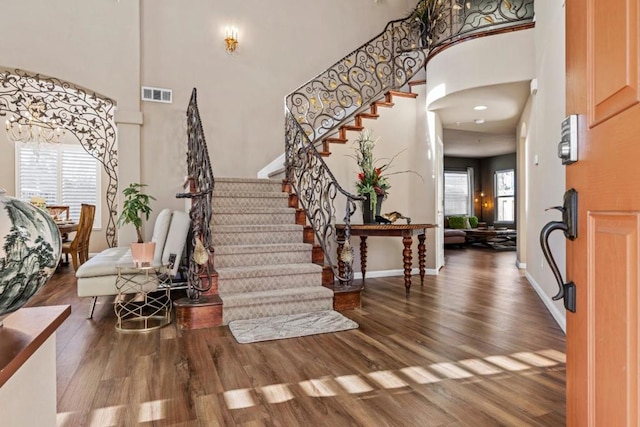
(373, 114)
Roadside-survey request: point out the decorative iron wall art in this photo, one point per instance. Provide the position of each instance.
(86, 115)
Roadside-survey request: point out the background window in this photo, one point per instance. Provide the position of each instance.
(457, 194)
(63, 174)
(505, 195)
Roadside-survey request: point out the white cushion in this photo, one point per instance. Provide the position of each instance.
(176, 239)
(160, 231)
(103, 264)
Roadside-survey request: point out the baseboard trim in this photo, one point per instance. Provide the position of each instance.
(521, 265)
(548, 302)
(399, 272)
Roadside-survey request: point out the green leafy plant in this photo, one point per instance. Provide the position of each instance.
(136, 205)
(372, 179)
(431, 14)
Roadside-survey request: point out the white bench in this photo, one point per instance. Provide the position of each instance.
(97, 277)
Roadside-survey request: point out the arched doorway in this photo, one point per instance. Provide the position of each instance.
(86, 115)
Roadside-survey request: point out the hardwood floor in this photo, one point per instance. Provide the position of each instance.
(474, 347)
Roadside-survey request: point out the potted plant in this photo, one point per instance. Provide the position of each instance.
(373, 178)
(136, 205)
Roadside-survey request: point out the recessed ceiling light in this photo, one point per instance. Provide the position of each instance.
(480, 107)
(479, 121)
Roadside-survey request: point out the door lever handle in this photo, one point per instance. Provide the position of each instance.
(559, 208)
(569, 225)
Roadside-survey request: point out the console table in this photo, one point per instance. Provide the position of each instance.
(406, 231)
(28, 366)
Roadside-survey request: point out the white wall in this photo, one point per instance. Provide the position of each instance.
(112, 47)
(485, 61)
(282, 44)
(546, 180)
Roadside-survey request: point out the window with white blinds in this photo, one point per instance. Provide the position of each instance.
(62, 174)
(457, 193)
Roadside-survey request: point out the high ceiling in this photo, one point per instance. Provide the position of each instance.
(482, 133)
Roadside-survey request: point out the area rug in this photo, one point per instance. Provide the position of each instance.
(289, 326)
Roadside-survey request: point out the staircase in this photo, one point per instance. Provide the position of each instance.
(264, 267)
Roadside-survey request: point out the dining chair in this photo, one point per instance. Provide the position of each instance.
(78, 248)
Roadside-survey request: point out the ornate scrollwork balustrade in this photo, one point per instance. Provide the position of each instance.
(449, 21)
(201, 183)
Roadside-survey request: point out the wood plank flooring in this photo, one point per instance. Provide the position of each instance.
(474, 347)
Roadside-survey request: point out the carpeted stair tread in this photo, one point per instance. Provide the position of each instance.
(247, 184)
(258, 210)
(248, 218)
(257, 228)
(250, 194)
(273, 296)
(268, 277)
(256, 249)
(256, 234)
(249, 180)
(227, 273)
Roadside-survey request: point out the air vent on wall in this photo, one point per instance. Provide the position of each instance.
(156, 94)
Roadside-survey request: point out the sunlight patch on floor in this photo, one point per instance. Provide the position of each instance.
(353, 384)
(534, 359)
(554, 355)
(420, 375)
(277, 393)
(480, 367)
(109, 416)
(239, 399)
(318, 388)
(450, 370)
(387, 379)
(63, 419)
(151, 411)
(507, 363)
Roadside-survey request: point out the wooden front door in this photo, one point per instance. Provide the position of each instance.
(602, 335)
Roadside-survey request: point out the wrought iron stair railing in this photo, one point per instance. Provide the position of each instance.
(200, 185)
(388, 61)
(318, 107)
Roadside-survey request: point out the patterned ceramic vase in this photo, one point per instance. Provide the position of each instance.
(30, 248)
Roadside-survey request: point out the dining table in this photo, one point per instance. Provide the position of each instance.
(66, 227)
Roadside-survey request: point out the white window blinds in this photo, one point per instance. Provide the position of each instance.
(457, 193)
(63, 174)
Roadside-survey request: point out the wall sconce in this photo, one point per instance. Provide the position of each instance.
(231, 39)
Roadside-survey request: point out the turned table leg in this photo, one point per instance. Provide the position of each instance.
(363, 255)
(421, 256)
(406, 256)
(340, 239)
